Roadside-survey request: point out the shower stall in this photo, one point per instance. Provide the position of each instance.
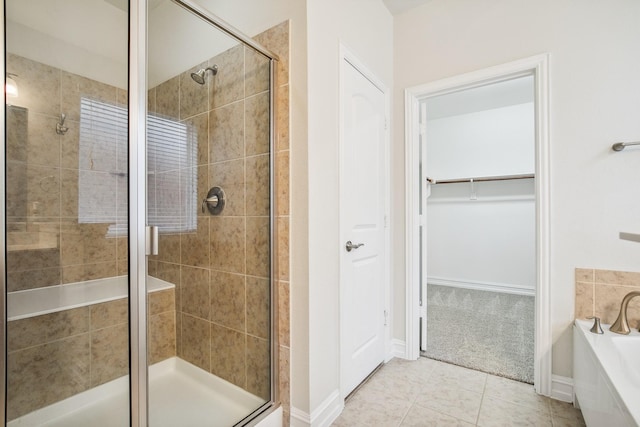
(139, 214)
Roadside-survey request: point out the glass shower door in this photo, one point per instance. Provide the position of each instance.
(66, 212)
(73, 248)
(209, 193)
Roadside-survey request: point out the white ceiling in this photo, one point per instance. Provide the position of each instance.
(397, 7)
(497, 95)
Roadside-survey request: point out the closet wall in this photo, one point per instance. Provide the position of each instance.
(488, 142)
(481, 233)
(485, 242)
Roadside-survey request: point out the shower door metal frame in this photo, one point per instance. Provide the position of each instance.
(138, 365)
(3, 246)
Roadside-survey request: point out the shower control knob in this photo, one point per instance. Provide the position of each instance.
(351, 246)
(214, 201)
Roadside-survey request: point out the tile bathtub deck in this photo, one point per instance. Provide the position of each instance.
(431, 393)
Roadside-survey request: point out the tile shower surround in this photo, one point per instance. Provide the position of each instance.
(600, 292)
(228, 335)
(52, 165)
(54, 356)
(222, 270)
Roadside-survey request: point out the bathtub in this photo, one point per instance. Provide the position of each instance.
(607, 376)
(34, 302)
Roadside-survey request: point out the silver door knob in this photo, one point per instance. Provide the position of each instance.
(350, 246)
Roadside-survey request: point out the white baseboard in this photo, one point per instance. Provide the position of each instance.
(562, 388)
(399, 348)
(299, 418)
(505, 288)
(322, 416)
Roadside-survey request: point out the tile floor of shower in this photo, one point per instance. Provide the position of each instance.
(431, 393)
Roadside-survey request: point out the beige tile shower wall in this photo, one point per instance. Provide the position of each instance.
(85, 347)
(52, 164)
(54, 356)
(600, 292)
(222, 268)
(277, 40)
(221, 289)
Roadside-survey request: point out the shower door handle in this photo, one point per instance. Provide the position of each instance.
(351, 246)
(152, 240)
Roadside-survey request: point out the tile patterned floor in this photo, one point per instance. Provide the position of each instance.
(431, 393)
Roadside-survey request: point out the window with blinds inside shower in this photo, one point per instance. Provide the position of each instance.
(171, 170)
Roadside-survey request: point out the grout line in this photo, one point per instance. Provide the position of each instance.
(551, 417)
(593, 299)
(484, 391)
(356, 390)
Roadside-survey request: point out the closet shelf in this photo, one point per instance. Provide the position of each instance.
(480, 179)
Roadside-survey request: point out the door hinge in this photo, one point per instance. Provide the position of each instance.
(422, 311)
(386, 318)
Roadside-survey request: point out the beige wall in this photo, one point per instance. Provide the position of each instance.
(594, 102)
(364, 27)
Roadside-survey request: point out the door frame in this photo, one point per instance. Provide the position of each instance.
(538, 67)
(347, 56)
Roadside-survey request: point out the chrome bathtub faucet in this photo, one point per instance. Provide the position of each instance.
(621, 325)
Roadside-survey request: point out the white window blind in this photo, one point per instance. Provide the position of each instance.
(102, 180)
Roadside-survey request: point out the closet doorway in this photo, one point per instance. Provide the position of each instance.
(477, 218)
(478, 244)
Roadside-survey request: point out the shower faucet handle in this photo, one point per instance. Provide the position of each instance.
(214, 201)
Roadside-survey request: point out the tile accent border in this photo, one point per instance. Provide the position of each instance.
(600, 292)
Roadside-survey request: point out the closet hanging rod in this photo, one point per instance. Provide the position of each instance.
(481, 179)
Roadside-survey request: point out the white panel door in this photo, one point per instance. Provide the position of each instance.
(362, 210)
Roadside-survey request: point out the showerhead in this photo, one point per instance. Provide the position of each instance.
(198, 76)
